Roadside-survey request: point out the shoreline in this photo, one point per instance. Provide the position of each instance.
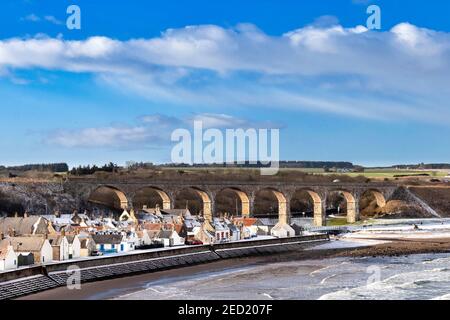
(113, 288)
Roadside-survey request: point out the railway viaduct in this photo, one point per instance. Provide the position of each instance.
(125, 191)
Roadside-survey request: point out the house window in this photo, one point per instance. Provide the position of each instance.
(122, 247)
(15, 262)
(223, 236)
(113, 246)
(102, 247)
(218, 236)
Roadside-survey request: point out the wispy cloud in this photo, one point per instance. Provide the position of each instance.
(48, 18)
(150, 131)
(402, 73)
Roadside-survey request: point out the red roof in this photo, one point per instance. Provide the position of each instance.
(246, 221)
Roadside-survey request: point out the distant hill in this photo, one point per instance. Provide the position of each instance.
(282, 164)
(45, 167)
(423, 166)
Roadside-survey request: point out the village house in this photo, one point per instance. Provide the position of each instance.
(190, 228)
(27, 225)
(248, 226)
(8, 258)
(147, 217)
(170, 238)
(107, 243)
(222, 232)
(144, 238)
(74, 246)
(39, 246)
(128, 217)
(114, 243)
(60, 247)
(153, 229)
(298, 229)
(205, 236)
(282, 230)
(60, 221)
(87, 245)
(218, 229)
(235, 232)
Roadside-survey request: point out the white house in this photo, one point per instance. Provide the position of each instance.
(235, 232)
(74, 246)
(170, 238)
(144, 238)
(8, 258)
(282, 230)
(222, 231)
(37, 245)
(114, 243)
(107, 243)
(60, 247)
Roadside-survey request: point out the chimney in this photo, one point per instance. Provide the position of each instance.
(63, 232)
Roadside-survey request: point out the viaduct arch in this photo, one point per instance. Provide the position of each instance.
(124, 194)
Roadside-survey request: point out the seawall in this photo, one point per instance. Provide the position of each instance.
(26, 281)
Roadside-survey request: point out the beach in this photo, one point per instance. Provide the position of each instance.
(315, 273)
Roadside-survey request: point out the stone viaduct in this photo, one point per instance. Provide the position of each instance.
(125, 191)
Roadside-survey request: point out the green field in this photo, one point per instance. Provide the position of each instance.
(369, 173)
(377, 173)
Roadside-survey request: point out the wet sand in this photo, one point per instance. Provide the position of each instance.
(111, 288)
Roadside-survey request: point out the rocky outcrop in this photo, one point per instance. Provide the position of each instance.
(36, 198)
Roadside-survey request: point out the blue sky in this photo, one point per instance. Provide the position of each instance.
(114, 90)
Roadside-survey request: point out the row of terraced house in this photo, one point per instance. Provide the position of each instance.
(31, 240)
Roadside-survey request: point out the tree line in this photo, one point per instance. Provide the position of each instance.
(86, 170)
(43, 167)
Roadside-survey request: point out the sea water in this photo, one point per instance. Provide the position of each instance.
(424, 276)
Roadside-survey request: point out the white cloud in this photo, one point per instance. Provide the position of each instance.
(151, 131)
(401, 73)
(53, 20)
(31, 17)
(48, 18)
